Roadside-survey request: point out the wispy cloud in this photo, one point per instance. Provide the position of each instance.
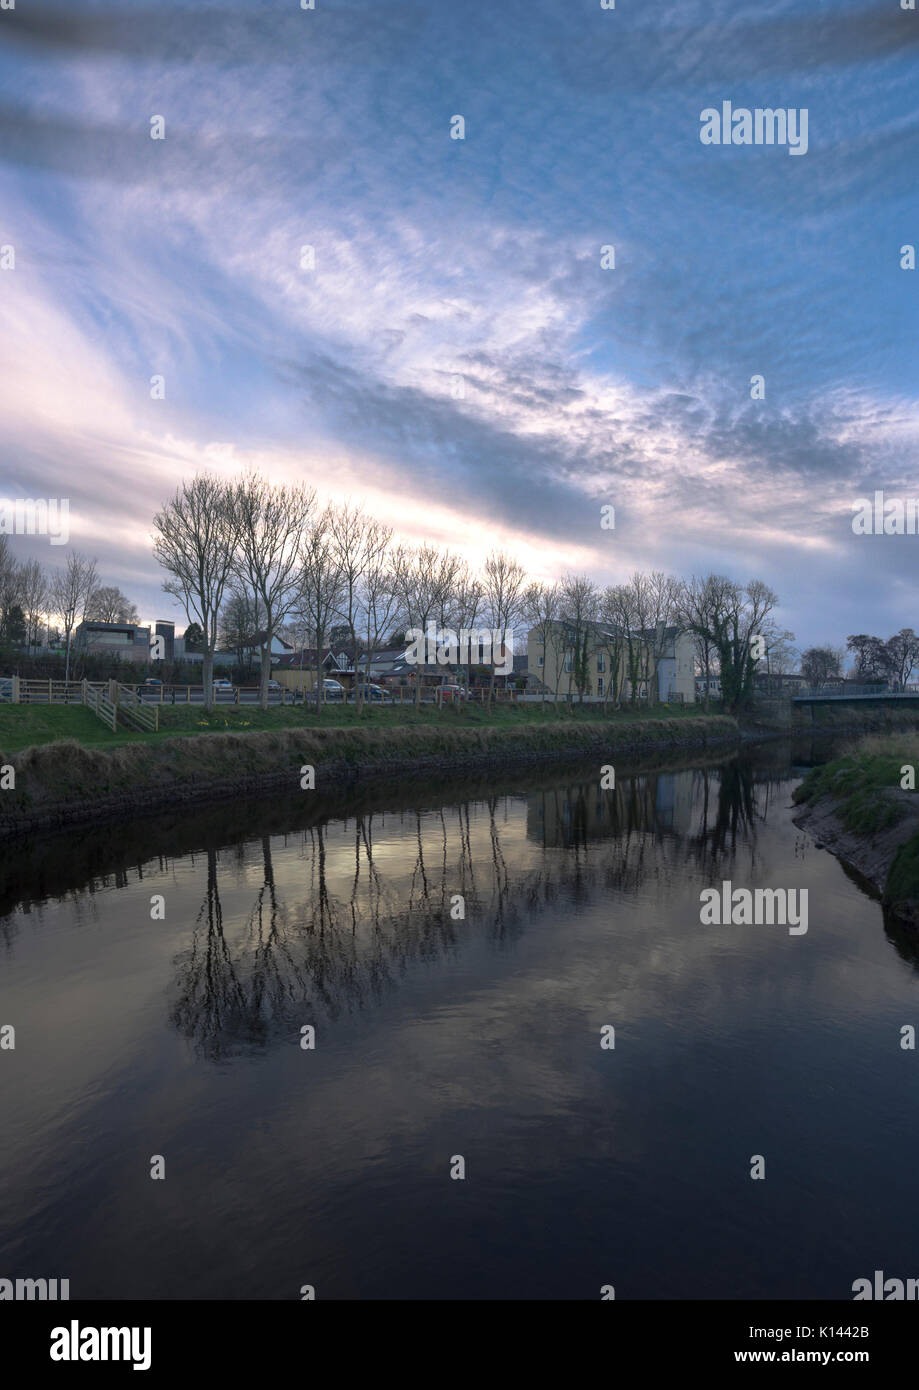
(458, 356)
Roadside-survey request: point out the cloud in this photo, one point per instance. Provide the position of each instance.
(458, 356)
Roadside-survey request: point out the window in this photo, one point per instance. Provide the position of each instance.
(568, 663)
(599, 685)
(601, 662)
(540, 661)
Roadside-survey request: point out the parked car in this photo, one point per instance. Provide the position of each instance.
(223, 685)
(275, 685)
(331, 690)
(371, 694)
(153, 680)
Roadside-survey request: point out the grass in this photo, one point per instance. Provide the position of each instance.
(27, 726)
(865, 782)
(862, 781)
(903, 879)
(58, 780)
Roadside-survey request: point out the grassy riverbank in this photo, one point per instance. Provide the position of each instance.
(28, 726)
(59, 782)
(858, 808)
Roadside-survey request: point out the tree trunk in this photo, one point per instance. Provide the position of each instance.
(207, 678)
(264, 674)
(357, 678)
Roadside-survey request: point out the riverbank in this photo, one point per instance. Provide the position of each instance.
(856, 807)
(65, 783)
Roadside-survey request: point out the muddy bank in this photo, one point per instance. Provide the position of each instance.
(65, 784)
(873, 855)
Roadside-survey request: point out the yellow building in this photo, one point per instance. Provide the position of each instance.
(660, 661)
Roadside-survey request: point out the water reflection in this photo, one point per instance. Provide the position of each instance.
(440, 1034)
(341, 933)
(370, 880)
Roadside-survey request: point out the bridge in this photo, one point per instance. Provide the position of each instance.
(839, 694)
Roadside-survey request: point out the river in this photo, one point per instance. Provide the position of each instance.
(458, 950)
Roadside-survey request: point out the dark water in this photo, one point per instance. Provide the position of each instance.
(438, 1037)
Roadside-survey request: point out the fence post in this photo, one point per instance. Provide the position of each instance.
(15, 691)
(83, 690)
(50, 692)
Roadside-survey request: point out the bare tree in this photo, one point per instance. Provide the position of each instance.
(33, 589)
(580, 605)
(319, 587)
(360, 542)
(821, 664)
(729, 616)
(661, 608)
(271, 521)
(462, 608)
(614, 638)
(109, 605)
(505, 581)
(541, 606)
(71, 590)
(779, 652)
(424, 578)
(903, 655)
(379, 604)
(196, 545)
(240, 619)
(10, 579)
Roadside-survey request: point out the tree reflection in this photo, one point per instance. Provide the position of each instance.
(358, 917)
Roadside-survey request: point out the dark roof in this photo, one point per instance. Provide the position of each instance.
(306, 656)
(110, 627)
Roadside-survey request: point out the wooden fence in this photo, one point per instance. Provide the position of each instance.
(132, 709)
(100, 704)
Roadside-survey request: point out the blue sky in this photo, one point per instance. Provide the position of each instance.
(479, 259)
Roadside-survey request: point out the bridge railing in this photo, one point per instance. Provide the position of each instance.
(853, 692)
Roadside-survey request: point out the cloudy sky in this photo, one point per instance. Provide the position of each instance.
(458, 357)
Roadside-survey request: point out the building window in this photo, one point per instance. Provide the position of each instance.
(599, 685)
(568, 662)
(601, 659)
(540, 661)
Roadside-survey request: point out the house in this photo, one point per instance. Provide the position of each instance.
(297, 669)
(778, 682)
(389, 667)
(714, 687)
(277, 648)
(128, 641)
(657, 660)
(181, 652)
(676, 663)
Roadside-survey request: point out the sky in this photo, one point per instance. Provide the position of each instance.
(458, 358)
